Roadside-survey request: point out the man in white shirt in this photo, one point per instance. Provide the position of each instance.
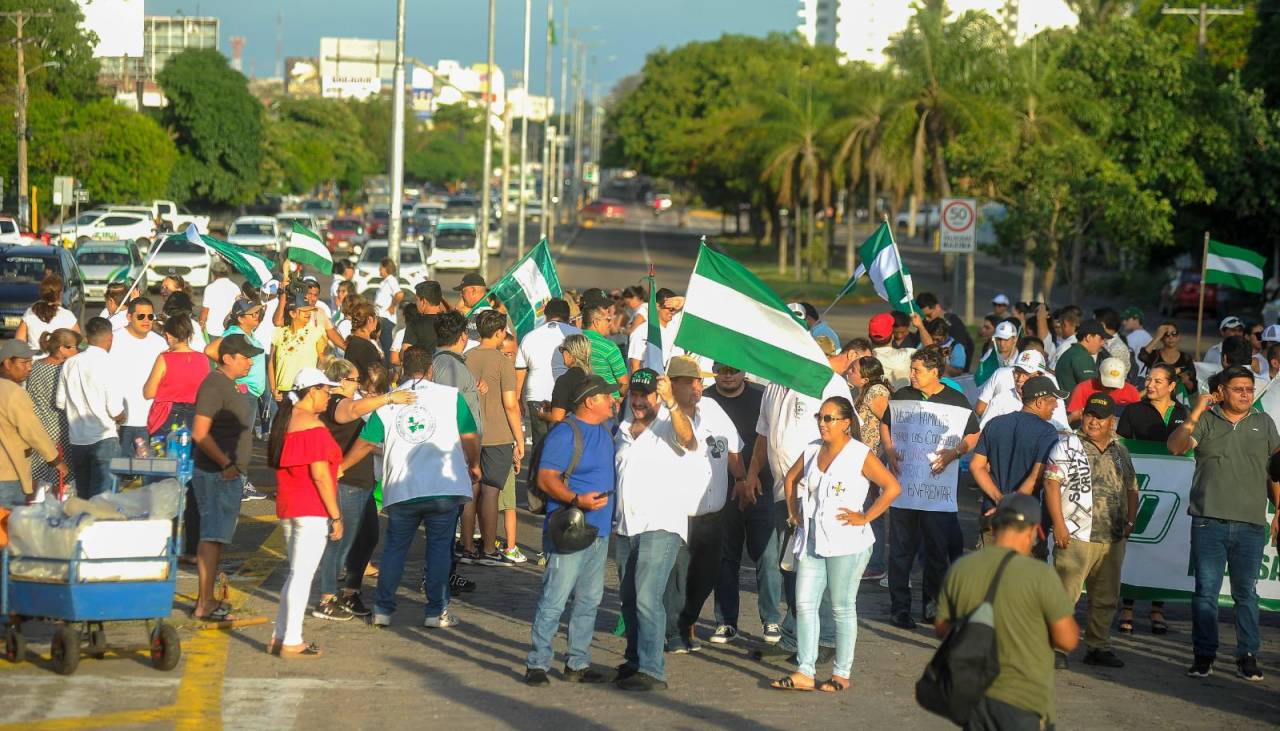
(270, 304)
(113, 309)
(1002, 393)
(94, 407)
(895, 360)
(539, 363)
(134, 350)
(1069, 318)
(669, 307)
(217, 299)
(387, 300)
(1135, 335)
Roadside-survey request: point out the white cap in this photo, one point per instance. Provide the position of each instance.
(308, 377)
(1006, 330)
(1271, 334)
(1230, 321)
(1000, 299)
(1112, 372)
(1031, 361)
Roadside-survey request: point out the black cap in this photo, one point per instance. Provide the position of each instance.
(595, 297)
(1100, 405)
(1038, 386)
(1016, 508)
(238, 344)
(471, 279)
(557, 308)
(593, 386)
(644, 380)
(429, 291)
(1090, 327)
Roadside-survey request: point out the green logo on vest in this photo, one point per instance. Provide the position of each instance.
(1156, 510)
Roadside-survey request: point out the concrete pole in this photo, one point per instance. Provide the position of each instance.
(524, 135)
(486, 173)
(394, 226)
(544, 223)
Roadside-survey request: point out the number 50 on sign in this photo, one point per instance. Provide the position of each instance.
(959, 226)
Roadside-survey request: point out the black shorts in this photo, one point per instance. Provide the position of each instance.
(495, 464)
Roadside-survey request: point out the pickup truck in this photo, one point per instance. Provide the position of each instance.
(177, 216)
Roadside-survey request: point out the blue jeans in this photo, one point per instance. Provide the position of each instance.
(582, 575)
(754, 528)
(877, 562)
(403, 519)
(826, 623)
(11, 494)
(1237, 547)
(644, 565)
(90, 466)
(841, 576)
(351, 501)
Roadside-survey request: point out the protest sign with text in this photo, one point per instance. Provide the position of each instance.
(920, 431)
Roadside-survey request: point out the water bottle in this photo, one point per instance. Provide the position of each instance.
(182, 438)
(171, 442)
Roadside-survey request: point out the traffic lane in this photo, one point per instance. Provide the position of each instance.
(614, 256)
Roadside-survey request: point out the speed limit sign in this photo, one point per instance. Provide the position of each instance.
(959, 226)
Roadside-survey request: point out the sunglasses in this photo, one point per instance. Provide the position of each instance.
(1173, 334)
(827, 418)
(144, 316)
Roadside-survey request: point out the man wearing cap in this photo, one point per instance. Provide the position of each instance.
(1032, 618)
(1000, 306)
(1230, 326)
(1091, 509)
(895, 360)
(1004, 350)
(1135, 335)
(131, 348)
(1079, 362)
(222, 433)
(94, 408)
(1002, 393)
(1111, 381)
(1228, 507)
(471, 302)
(20, 429)
(539, 363)
(581, 574)
(817, 326)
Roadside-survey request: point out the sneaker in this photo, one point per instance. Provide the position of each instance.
(468, 557)
(723, 635)
(381, 620)
(444, 621)
(492, 559)
(536, 677)
(460, 584)
(624, 671)
(872, 575)
(903, 620)
(1247, 668)
(353, 604)
(1060, 660)
(1104, 658)
(677, 647)
(586, 675)
(514, 555)
(250, 493)
(1201, 667)
(772, 633)
(332, 610)
(691, 643)
(641, 682)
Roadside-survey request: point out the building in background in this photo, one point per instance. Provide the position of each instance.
(132, 47)
(165, 36)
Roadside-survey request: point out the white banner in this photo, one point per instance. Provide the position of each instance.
(1157, 562)
(920, 431)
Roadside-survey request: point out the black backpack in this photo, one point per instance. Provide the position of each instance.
(967, 662)
(537, 498)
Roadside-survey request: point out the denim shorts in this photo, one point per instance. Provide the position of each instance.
(218, 500)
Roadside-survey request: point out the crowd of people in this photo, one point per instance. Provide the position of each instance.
(425, 410)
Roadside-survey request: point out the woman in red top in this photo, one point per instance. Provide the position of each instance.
(174, 380)
(307, 505)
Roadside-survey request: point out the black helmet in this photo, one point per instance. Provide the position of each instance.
(569, 530)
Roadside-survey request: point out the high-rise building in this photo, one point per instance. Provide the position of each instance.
(165, 36)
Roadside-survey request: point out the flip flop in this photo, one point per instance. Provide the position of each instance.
(834, 685)
(789, 683)
(311, 650)
(221, 614)
(1158, 625)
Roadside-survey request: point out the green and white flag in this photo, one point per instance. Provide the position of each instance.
(878, 258)
(256, 268)
(653, 335)
(735, 319)
(1235, 267)
(525, 289)
(306, 247)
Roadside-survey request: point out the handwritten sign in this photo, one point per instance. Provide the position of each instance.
(920, 431)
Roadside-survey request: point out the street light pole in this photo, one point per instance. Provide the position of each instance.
(544, 221)
(394, 226)
(524, 134)
(564, 83)
(486, 173)
(579, 110)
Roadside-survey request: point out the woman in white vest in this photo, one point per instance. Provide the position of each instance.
(826, 490)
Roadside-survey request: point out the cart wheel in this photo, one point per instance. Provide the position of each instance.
(97, 643)
(65, 649)
(15, 644)
(166, 649)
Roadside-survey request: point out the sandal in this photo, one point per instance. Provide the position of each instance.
(221, 614)
(835, 685)
(1158, 625)
(309, 650)
(1125, 624)
(789, 683)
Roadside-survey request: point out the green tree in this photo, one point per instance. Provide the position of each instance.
(1228, 37)
(217, 125)
(308, 143)
(1262, 70)
(452, 151)
(57, 39)
(117, 154)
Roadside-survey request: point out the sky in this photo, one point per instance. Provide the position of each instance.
(626, 30)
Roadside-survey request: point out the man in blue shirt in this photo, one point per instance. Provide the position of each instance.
(580, 573)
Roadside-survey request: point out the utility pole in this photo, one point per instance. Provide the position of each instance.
(486, 195)
(564, 83)
(395, 225)
(524, 134)
(544, 225)
(19, 18)
(579, 111)
(504, 193)
(1204, 15)
(553, 140)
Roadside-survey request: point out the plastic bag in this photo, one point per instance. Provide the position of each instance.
(157, 500)
(44, 530)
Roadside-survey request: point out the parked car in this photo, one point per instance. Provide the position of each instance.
(1182, 294)
(455, 246)
(106, 225)
(103, 262)
(177, 216)
(22, 268)
(10, 233)
(178, 256)
(261, 233)
(414, 267)
(926, 217)
(345, 234)
(603, 210)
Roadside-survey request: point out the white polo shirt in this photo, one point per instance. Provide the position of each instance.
(131, 361)
(540, 354)
(787, 423)
(86, 393)
(705, 467)
(1000, 394)
(649, 498)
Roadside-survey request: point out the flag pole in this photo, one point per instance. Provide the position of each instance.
(151, 256)
(911, 295)
(1204, 271)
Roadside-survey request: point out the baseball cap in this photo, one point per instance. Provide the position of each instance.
(684, 366)
(238, 344)
(1271, 334)
(596, 297)
(1112, 372)
(243, 307)
(1131, 312)
(1016, 508)
(1000, 299)
(1090, 327)
(1039, 386)
(644, 381)
(593, 386)
(297, 302)
(880, 327)
(429, 291)
(308, 377)
(16, 349)
(1031, 361)
(1230, 321)
(1100, 405)
(1006, 330)
(470, 279)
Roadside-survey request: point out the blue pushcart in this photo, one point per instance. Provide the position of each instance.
(81, 608)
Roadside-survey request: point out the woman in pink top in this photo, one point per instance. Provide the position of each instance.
(174, 380)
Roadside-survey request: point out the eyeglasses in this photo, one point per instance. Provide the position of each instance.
(144, 316)
(1240, 389)
(828, 418)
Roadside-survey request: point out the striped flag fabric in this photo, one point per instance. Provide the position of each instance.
(254, 267)
(735, 319)
(306, 247)
(1235, 267)
(878, 258)
(653, 334)
(525, 289)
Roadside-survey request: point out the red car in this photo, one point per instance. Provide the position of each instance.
(604, 210)
(344, 233)
(1182, 294)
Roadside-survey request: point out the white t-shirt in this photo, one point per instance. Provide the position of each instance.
(422, 439)
(648, 498)
(118, 320)
(86, 391)
(385, 298)
(896, 363)
(131, 361)
(218, 298)
(638, 342)
(539, 352)
(705, 469)
(197, 341)
(1069, 467)
(787, 424)
(823, 494)
(36, 327)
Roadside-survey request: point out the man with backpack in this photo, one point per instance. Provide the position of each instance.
(1032, 618)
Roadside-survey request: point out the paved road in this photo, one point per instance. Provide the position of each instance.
(410, 677)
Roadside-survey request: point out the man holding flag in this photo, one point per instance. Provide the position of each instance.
(654, 344)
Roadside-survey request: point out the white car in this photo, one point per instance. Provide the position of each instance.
(455, 246)
(108, 261)
(414, 267)
(494, 242)
(927, 216)
(106, 225)
(260, 233)
(308, 221)
(178, 256)
(10, 233)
